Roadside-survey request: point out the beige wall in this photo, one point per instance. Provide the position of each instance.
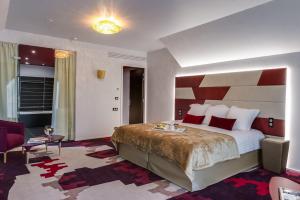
(126, 96)
(163, 67)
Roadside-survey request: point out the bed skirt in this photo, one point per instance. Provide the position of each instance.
(203, 178)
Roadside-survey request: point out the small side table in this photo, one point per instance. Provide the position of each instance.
(274, 154)
(54, 139)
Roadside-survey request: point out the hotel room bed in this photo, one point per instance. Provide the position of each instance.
(247, 142)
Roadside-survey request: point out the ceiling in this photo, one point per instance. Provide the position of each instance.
(269, 29)
(146, 21)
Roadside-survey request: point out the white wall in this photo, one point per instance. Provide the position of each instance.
(94, 97)
(161, 75)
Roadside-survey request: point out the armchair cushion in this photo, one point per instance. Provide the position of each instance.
(13, 127)
(11, 135)
(14, 140)
(3, 140)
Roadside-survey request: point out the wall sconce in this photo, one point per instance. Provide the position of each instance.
(101, 74)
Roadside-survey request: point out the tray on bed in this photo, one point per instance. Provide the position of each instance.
(176, 130)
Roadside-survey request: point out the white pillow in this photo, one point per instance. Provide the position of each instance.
(244, 117)
(218, 111)
(198, 109)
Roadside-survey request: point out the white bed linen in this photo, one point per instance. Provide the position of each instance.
(246, 140)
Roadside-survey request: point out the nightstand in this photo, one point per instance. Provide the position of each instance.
(274, 154)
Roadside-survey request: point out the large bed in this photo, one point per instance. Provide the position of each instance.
(247, 142)
(257, 106)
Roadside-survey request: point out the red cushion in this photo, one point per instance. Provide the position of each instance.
(223, 123)
(192, 119)
(14, 140)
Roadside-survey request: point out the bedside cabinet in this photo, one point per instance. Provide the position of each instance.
(274, 154)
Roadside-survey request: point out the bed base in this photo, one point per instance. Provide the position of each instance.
(203, 178)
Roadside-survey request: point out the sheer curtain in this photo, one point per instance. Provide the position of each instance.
(63, 117)
(8, 81)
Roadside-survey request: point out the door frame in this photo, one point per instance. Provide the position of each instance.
(144, 89)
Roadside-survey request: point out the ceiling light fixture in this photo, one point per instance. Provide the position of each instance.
(108, 25)
(61, 54)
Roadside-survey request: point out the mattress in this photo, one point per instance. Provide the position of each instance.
(247, 141)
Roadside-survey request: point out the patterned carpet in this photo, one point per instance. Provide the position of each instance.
(92, 170)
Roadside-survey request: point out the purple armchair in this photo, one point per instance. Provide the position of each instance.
(11, 136)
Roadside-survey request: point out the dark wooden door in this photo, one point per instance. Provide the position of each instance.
(136, 96)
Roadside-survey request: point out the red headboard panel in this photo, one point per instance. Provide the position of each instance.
(261, 89)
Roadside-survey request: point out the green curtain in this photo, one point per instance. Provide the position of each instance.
(8, 81)
(63, 117)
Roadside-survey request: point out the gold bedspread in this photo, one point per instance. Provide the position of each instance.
(194, 149)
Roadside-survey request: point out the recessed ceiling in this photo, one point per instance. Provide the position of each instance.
(145, 20)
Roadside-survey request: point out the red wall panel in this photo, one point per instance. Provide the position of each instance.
(42, 56)
(273, 77)
(263, 125)
(210, 93)
(189, 81)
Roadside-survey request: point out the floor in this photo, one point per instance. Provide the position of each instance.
(92, 170)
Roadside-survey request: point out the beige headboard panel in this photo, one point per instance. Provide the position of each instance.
(262, 89)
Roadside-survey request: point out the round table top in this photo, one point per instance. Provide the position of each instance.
(55, 138)
(49, 139)
(277, 182)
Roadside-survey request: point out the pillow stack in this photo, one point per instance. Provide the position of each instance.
(223, 123)
(217, 111)
(196, 113)
(193, 119)
(198, 109)
(244, 117)
(220, 116)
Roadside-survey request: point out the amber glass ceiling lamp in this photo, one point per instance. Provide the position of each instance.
(108, 25)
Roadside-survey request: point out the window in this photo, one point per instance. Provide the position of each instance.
(36, 93)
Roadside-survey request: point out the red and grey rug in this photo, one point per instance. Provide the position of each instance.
(89, 170)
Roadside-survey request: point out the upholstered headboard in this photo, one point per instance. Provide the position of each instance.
(262, 89)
